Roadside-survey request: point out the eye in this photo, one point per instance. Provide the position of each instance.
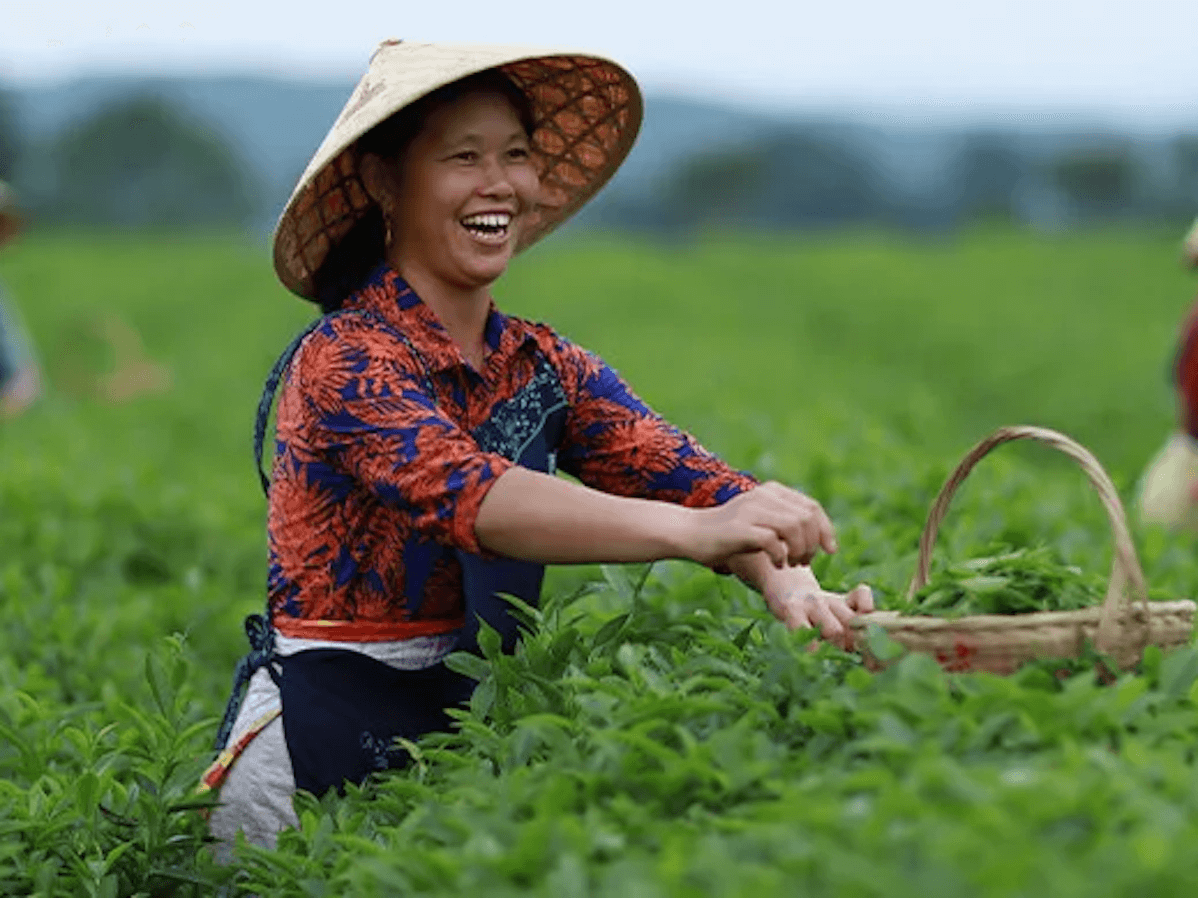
(518, 153)
(466, 156)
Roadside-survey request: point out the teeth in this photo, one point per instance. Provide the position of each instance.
(488, 220)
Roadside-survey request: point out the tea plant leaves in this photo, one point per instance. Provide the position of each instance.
(657, 733)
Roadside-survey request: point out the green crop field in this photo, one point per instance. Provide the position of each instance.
(658, 734)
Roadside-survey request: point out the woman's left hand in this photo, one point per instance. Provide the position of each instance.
(795, 597)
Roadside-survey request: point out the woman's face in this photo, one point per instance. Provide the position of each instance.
(465, 187)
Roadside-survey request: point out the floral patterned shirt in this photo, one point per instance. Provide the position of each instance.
(1185, 371)
(377, 479)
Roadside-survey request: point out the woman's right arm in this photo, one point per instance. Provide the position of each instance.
(538, 517)
(374, 420)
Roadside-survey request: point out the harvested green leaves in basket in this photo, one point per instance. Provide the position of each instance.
(1015, 581)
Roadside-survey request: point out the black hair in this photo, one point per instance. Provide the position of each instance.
(351, 260)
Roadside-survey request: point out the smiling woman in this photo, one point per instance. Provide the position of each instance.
(464, 184)
(420, 429)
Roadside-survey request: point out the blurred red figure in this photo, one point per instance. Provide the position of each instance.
(20, 378)
(1169, 488)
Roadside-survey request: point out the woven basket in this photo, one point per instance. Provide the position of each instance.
(1121, 627)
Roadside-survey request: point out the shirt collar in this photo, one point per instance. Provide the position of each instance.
(389, 296)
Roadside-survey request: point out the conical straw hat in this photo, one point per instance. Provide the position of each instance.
(586, 110)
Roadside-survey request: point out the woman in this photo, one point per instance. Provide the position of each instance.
(20, 378)
(1169, 487)
(419, 428)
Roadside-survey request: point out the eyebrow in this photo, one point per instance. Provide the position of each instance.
(476, 137)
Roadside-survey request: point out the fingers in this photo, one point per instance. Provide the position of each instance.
(828, 612)
(787, 525)
(830, 627)
(767, 541)
(860, 598)
(840, 610)
(811, 611)
(762, 539)
(799, 520)
(827, 533)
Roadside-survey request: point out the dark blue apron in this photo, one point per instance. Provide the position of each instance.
(342, 710)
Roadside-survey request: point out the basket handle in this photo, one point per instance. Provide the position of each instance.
(1125, 570)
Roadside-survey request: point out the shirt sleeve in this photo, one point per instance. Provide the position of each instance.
(1185, 370)
(616, 443)
(369, 413)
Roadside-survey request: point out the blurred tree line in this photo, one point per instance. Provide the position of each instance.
(140, 162)
(137, 164)
(9, 135)
(796, 179)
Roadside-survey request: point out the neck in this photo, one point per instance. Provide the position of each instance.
(463, 311)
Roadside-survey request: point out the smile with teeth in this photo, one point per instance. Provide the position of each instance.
(488, 227)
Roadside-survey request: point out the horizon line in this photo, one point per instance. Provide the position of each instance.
(1171, 114)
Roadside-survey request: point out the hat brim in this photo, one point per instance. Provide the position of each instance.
(587, 111)
(1168, 491)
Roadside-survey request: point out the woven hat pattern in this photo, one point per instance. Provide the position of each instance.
(586, 113)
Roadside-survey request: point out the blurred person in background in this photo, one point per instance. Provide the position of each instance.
(419, 428)
(135, 373)
(20, 377)
(1169, 487)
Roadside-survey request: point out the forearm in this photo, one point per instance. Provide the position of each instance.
(757, 572)
(752, 569)
(537, 517)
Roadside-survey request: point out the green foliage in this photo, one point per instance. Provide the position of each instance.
(98, 798)
(989, 172)
(658, 733)
(140, 164)
(1098, 181)
(788, 178)
(677, 750)
(1016, 581)
(11, 143)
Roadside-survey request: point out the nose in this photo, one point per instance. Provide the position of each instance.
(495, 181)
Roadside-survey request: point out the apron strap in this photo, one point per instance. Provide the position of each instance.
(262, 654)
(266, 400)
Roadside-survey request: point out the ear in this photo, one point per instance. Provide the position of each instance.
(380, 180)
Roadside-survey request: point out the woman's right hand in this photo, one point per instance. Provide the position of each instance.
(787, 525)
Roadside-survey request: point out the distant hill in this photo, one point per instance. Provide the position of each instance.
(273, 126)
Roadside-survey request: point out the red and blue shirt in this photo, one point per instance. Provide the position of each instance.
(377, 479)
(1185, 371)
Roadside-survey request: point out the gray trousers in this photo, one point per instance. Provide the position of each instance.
(256, 794)
(255, 797)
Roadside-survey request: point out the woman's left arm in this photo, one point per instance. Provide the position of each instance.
(616, 443)
(795, 597)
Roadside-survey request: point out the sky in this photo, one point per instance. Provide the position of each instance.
(1135, 60)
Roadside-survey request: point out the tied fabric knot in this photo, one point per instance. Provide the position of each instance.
(262, 649)
(266, 401)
